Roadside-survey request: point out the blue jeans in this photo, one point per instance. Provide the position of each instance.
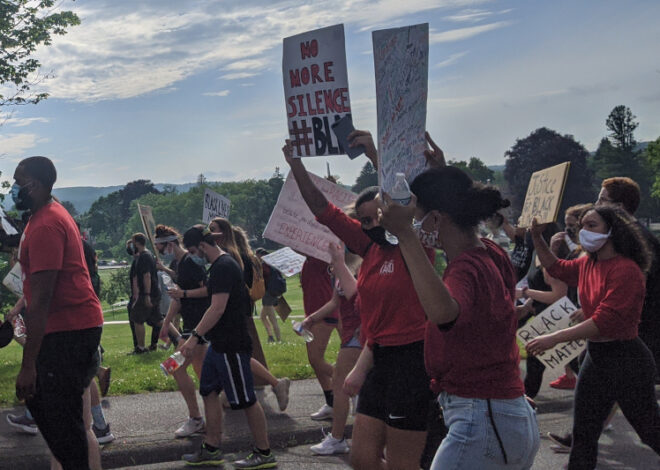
(472, 441)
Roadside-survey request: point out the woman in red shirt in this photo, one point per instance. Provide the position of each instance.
(470, 346)
(617, 367)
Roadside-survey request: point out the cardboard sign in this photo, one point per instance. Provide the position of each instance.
(554, 318)
(149, 225)
(215, 205)
(544, 193)
(285, 260)
(292, 223)
(7, 227)
(401, 62)
(14, 280)
(315, 89)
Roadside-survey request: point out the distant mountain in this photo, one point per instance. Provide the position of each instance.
(82, 197)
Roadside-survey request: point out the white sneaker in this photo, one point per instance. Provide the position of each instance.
(354, 403)
(191, 426)
(330, 445)
(281, 391)
(325, 412)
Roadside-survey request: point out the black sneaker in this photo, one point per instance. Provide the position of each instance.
(256, 460)
(103, 436)
(204, 457)
(564, 442)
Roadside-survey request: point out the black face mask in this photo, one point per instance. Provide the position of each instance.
(6, 334)
(571, 232)
(377, 235)
(24, 201)
(129, 250)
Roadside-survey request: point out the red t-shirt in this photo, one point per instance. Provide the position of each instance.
(316, 286)
(611, 292)
(51, 242)
(349, 315)
(477, 357)
(390, 312)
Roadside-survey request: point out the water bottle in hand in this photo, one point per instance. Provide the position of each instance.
(19, 326)
(400, 193)
(172, 363)
(300, 331)
(167, 280)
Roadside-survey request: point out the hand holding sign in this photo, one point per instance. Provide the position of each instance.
(435, 157)
(544, 194)
(359, 138)
(541, 343)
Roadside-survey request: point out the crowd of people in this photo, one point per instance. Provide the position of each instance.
(413, 341)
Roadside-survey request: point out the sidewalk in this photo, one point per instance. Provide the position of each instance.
(144, 426)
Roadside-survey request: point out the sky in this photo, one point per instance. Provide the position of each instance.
(165, 90)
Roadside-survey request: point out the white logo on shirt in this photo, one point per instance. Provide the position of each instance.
(387, 267)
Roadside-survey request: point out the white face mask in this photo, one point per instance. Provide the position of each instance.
(428, 239)
(593, 241)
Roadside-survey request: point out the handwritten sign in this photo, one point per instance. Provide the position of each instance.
(544, 193)
(285, 260)
(14, 280)
(215, 205)
(149, 225)
(315, 89)
(292, 223)
(7, 227)
(401, 62)
(554, 318)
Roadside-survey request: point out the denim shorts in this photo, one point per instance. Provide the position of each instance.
(472, 440)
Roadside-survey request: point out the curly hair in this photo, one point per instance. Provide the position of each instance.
(627, 236)
(623, 190)
(162, 231)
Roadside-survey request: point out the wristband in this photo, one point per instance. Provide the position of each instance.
(185, 294)
(197, 335)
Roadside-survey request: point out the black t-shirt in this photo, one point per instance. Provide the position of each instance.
(651, 309)
(189, 275)
(230, 334)
(248, 274)
(90, 260)
(521, 256)
(146, 264)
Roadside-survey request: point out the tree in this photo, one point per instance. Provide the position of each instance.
(68, 205)
(25, 25)
(477, 170)
(541, 149)
(368, 177)
(621, 124)
(652, 156)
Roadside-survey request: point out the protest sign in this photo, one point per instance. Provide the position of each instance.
(544, 193)
(292, 223)
(7, 227)
(285, 260)
(315, 89)
(215, 205)
(401, 62)
(554, 318)
(149, 225)
(14, 280)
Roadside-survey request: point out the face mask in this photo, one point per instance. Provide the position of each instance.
(377, 235)
(198, 260)
(571, 232)
(428, 239)
(21, 197)
(130, 249)
(593, 241)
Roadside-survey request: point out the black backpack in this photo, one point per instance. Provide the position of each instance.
(276, 283)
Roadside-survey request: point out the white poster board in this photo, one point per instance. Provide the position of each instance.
(6, 226)
(401, 62)
(215, 205)
(292, 223)
(285, 260)
(14, 280)
(315, 89)
(554, 318)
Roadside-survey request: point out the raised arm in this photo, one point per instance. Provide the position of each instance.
(314, 198)
(546, 257)
(345, 277)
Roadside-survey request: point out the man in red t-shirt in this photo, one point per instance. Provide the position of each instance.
(63, 318)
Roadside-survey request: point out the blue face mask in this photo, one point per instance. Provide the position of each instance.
(20, 196)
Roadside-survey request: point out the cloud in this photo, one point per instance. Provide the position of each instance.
(466, 33)
(452, 59)
(469, 16)
(250, 64)
(24, 122)
(217, 93)
(17, 144)
(238, 75)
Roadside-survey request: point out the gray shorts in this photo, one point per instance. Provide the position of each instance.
(269, 300)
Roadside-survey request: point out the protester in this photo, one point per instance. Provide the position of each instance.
(226, 365)
(130, 250)
(274, 283)
(618, 366)
(63, 319)
(625, 193)
(145, 306)
(345, 298)
(470, 347)
(189, 275)
(389, 375)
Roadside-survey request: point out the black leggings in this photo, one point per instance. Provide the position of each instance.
(534, 375)
(613, 372)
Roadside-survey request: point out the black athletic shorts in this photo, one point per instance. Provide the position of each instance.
(140, 313)
(396, 389)
(66, 364)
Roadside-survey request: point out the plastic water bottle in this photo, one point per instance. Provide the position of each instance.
(167, 280)
(172, 363)
(19, 326)
(400, 193)
(300, 331)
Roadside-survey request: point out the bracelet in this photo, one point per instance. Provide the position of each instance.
(185, 294)
(197, 335)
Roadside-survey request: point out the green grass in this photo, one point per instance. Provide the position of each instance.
(142, 374)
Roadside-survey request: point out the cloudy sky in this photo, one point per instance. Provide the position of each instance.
(165, 90)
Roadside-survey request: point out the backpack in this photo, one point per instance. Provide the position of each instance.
(258, 289)
(276, 283)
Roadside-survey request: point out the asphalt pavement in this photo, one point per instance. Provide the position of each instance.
(144, 428)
